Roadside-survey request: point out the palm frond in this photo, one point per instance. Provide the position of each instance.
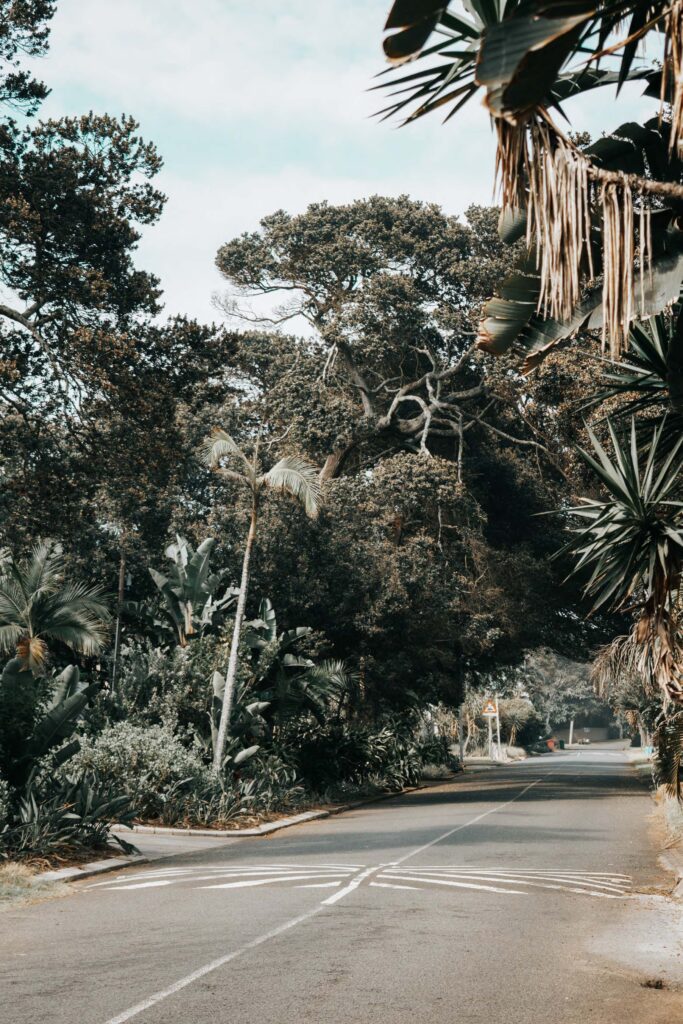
(669, 755)
(220, 445)
(299, 478)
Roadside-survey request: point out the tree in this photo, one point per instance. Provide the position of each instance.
(607, 211)
(559, 688)
(25, 28)
(393, 290)
(39, 604)
(291, 475)
(73, 191)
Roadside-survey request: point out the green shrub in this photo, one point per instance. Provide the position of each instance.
(269, 783)
(149, 763)
(344, 753)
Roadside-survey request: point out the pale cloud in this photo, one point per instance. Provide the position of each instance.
(264, 106)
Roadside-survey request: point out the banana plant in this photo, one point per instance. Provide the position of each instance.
(189, 590)
(292, 476)
(290, 682)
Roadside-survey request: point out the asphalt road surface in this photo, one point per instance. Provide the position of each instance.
(528, 893)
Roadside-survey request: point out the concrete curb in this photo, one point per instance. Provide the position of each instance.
(101, 867)
(94, 867)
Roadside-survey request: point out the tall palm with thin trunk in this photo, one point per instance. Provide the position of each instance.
(39, 604)
(291, 475)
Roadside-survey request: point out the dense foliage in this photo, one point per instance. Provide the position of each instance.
(346, 491)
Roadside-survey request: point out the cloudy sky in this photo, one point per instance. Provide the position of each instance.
(257, 106)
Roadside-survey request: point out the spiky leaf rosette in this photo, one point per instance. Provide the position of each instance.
(631, 544)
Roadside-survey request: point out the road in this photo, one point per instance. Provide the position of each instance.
(525, 893)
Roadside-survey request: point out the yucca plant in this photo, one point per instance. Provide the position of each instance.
(39, 604)
(291, 475)
(631, 543)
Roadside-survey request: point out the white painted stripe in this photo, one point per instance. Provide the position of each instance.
(269, 874)
(614, 876)
(388, 885)
(348, 888)
(318, 885)
(201, 972)
(457, 885)
(259, 881)
(568, 886)
(140, 885)
(518, 879)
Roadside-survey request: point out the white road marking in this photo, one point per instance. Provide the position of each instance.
(473, 821)
(260, 881)
(143, 885)
(518, 879)
(318, 885)
(457, 885)
(201, 972)
(587, 891)
(388, 885)
(350, 887)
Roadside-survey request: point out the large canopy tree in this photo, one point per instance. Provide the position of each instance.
(392, 289)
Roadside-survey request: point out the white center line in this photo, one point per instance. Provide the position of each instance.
(473, 821)
(201, 972)
(350, 887)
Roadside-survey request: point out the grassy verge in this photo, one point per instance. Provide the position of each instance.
(19, 886)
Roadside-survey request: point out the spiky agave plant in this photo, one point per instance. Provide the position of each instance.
(631, 543)
(292, 475)
(39, 604)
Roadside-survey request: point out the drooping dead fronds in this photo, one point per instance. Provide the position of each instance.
(614, 661)
(672, 72)
(652, 653)
(618, 251)
(661, 659)
(565, 196)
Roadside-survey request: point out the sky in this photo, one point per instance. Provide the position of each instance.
(263, 106)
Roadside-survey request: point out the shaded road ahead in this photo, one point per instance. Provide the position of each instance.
(522, 894)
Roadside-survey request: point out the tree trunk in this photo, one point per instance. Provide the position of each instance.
(119, 608)
(229, 691)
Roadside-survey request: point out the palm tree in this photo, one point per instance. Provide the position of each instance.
(291, 475)
(586, 212)
(38, 604)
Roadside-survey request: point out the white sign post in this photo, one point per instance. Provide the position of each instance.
(490, 712)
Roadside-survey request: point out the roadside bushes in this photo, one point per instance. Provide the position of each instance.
(351, 753)
(149, 763)
(47, 802)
